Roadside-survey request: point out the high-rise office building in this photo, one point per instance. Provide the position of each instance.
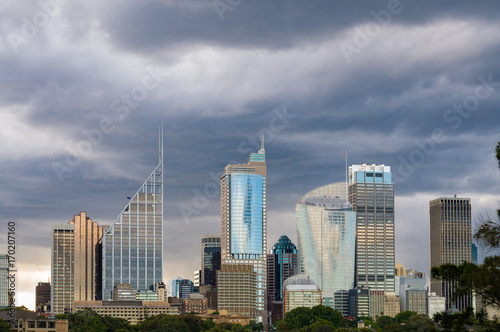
(244, 220)
(42, 297)
(236, 291)
(210, 259)
(4, 281)
(75, 262)
(450, 233)
(132, 247)
(326, 232)
(87, 262)
(284, 253)
(63, 267)
(371, 193)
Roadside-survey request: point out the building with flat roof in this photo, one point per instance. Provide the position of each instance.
(413, 295)
(359, 302)
(392, 306)
(42, 297)
(133, 311)
(371, 193)
(435, 304)
(62, 268)
(451, 242)
(300, 291)
(210, 259)
(236, 290)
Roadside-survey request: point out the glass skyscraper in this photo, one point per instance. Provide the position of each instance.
(243, 219)
(132, 247)
(371, 193)
(210, 259)
(285, 264)
(326, 240)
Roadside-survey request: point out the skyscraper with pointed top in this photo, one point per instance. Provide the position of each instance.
(244, 223)
(132, 247)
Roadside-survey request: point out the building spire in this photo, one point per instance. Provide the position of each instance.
(262, 145)
(160, 143)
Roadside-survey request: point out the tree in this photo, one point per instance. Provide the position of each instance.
(4, 326)
(384, 321)
(420, 323)
(404, 316)
(299, 318)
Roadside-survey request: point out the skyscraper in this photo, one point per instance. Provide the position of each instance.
(244, 220)
(371, 193)
(132, 247)
(284, 256)
(63, 267)
(4, 281)
(210, 259)
(450, 233)
(87, 263)
(75, 262)
(326, 241)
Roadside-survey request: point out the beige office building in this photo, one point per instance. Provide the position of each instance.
(75, 263)
(133, 311)
(87, 265)
(236, 289)
(392, 306)
(63, 245)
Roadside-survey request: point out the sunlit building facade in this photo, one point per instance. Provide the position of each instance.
(371, 193)
(326, 232)
(62, 268)
(244, 220)
(132, 247)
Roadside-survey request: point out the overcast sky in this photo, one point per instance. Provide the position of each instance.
(84, 86)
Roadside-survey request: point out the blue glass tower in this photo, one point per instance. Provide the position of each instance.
(132, 247)
(243, 219)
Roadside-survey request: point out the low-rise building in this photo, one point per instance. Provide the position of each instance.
(435, 304)
(413, 295)
(41, 325)
(392, 306)
(195, 303)
(359, 302)
(133, 311)
(300, 291)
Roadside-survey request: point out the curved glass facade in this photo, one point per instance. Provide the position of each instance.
(326, 232)
(247, 203)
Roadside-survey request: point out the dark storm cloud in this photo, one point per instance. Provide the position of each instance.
(153, 25)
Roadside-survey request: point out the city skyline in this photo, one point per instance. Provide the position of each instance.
(82, 99)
